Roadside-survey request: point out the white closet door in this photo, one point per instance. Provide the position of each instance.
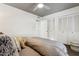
(70, 29)
(76, 29)
(51, 28)
(60, 24)
(73, 28)
(37, 28)
(43, 28)
(62, 29)
(76, 23)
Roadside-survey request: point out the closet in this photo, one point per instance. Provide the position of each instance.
(61, 26)
(64, 28)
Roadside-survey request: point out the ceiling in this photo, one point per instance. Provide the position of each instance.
(54, 7)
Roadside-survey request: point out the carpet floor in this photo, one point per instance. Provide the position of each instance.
(71, 52)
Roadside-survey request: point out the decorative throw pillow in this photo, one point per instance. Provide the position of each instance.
(7, 46)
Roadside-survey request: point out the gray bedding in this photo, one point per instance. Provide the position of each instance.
(46, 47)
(54, 43)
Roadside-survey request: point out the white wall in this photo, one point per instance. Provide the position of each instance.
(64, 25)
(15, 21)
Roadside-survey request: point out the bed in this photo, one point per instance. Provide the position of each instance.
(32, 46)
